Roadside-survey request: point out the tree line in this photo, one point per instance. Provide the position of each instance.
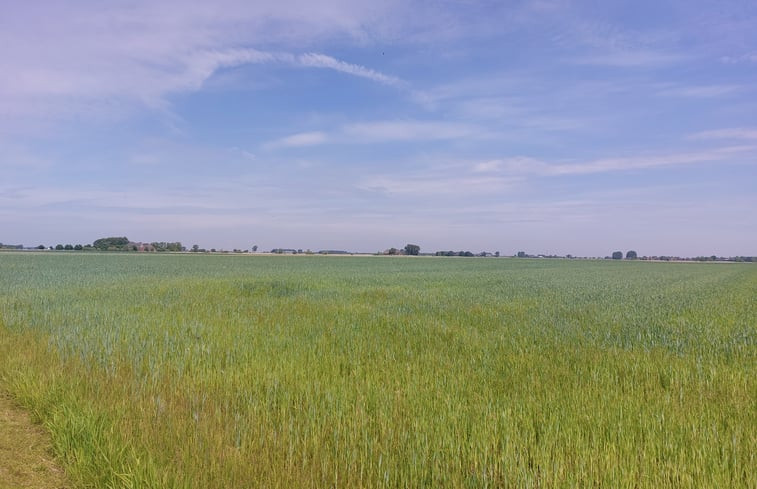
(118, 243)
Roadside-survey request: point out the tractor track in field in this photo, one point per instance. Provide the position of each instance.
(26, 459)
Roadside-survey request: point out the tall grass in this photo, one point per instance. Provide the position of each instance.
(229, 371)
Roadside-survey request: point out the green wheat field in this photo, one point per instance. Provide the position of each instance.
(223, 371)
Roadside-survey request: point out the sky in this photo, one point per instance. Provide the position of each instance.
(556, 127)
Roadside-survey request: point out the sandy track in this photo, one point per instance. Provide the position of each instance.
(26, 458)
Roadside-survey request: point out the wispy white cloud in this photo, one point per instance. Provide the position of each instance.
(317, 60)
(629, 59)
(500, 88)
(532, 166)
(150, 80)
(516, 164)
(700, 91)
(410, 131)
(383, 131)
(747, 133)
(430, 184)
(207, 63)
(635, 163)
(298, 140)
(89, 58)
(742, 58)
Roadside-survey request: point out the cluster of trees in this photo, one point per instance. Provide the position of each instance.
(465, 253)
(196, 249)
(122, 243)
(409, 249)
(69, 247)
(748, 259)
(412, 249)
(454, 253)
(523, 254)
(119, 243)
(292, 251)
(630, 255)
(112, 244)
(738, 259)
(167, 246)
(288, 251)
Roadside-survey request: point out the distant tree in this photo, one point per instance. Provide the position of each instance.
(631, 255)
(392, 251)
(41, 247)
(617, 255)
(114, 243)
(522, 254)
(78, 247)
(254, 248)
(195, 248)
(167, 246)
(496, 253)
(412, 249)
(59, 247)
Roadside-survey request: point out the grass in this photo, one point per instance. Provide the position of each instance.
(229, 371)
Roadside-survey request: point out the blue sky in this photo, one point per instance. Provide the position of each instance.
(543, 126)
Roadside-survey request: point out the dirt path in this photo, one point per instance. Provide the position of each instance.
(26, 459)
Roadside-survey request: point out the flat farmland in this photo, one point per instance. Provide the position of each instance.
(217, 371)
